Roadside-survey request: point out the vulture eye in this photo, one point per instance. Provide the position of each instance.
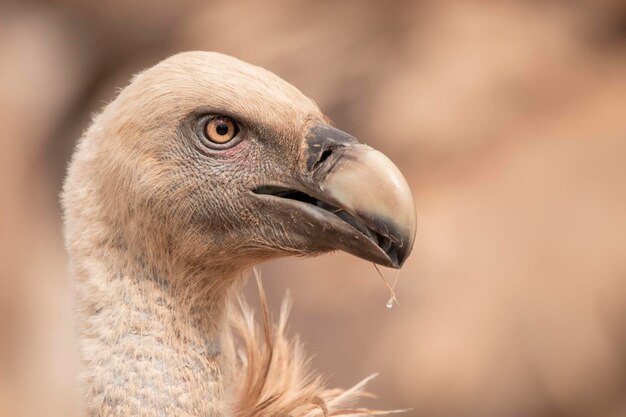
(220, 130)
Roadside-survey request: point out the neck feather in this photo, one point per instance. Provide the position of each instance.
(150, 345)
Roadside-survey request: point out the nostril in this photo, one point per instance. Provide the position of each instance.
(324, 156)
(321, 158)
(324, 144)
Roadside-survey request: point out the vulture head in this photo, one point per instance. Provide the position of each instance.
(201, 168)
(205, 160)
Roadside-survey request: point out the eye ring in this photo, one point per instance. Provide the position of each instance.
(217, 131)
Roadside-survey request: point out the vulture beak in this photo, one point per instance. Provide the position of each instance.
(354, 196)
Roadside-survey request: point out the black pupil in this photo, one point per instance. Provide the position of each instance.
(221, 129)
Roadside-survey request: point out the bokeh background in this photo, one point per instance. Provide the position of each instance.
(508, 119)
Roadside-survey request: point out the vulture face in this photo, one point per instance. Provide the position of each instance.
(218, 158)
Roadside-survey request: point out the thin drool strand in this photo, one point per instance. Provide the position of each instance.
(392, 299)
(392, 292)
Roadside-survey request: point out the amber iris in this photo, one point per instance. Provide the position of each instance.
(220, 130)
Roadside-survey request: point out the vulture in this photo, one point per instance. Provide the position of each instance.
(201, 168)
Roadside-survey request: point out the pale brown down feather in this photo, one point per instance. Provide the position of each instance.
(276, 373)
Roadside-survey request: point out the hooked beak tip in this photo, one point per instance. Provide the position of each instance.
(369, 186)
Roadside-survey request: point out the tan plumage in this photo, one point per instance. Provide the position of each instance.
(162, 225)
(278, 377)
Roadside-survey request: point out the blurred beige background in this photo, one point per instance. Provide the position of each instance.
(508, 119)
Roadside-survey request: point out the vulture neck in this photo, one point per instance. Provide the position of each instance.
(150, 337)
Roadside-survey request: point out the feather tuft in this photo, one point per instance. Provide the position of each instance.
(271, 374)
